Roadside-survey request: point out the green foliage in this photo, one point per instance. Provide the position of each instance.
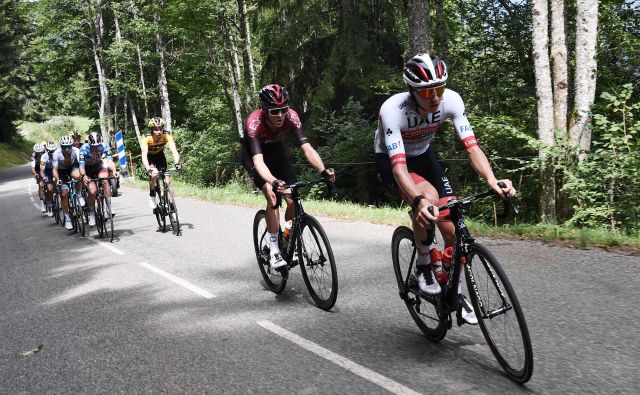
(606, 185)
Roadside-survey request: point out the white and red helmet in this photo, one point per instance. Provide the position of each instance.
(425, 71)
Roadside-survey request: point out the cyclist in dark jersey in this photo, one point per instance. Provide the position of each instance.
(265, 158)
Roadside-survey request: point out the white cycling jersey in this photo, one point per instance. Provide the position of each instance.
(62, 163)
(402, 132)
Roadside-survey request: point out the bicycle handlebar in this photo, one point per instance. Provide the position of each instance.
(508, 206)
(300, 184)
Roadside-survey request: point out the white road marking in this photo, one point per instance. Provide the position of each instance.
(339, 360)
(178, 281)
(107, 246)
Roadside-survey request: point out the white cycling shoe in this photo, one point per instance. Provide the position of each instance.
(67, 222)
(276, 261)
(466, 310)
(152, 202)
(92, 219)
(427, 283)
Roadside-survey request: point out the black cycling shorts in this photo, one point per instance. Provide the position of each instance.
(275, 157)
(158, 160)
(425, 165)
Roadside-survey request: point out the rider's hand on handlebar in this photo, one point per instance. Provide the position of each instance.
(278, 185)
(425, 213)
(329, 175)
(509, 190)
(178, 166)
(36, 176)
(151, 171)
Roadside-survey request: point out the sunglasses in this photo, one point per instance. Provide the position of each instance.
(66, 147)
(427, 93)
(278, 111)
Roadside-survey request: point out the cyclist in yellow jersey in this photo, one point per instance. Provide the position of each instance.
(152, 150)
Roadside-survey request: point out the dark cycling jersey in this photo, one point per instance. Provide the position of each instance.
(256, 131)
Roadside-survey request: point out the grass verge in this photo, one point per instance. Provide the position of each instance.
(234, 193)
(14, 155)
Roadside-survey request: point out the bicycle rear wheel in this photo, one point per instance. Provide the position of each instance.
(499, 313)
(317, 263)
(276, 280)
(172, 209)
(422, 310)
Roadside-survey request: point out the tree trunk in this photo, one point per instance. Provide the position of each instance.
(142, 84)
(162, 77)
(247, 59)
(586, 73)
(106, 122)
(134, 119)
(117, 71)
(559, 62)
(419, 40)
(231, 75)
(540, 37)
(441, 37)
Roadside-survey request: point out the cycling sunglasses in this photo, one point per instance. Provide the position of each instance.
(278, 110)
(426, 93)
(66, 147)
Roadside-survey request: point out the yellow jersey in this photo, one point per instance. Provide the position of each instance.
(155, 147)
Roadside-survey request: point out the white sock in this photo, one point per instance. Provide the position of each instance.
(274, 243)
(423, 258)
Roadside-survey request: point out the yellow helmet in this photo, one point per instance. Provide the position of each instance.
(156, 122)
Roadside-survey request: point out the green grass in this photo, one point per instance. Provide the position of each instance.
(52, 129)
(234, 193)
(14, 155)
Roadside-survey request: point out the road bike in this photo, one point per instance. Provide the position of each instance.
(167, 206)
(56, 208)
(306, 245)
(104, 217)
(76, 211)
(494, 300)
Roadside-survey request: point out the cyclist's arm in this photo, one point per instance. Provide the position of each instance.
(56, 175)
(144, 151)
(174, 150)
(262, 169)
(312, 157)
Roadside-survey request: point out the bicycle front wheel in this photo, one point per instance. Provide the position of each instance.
(317, 263)
(107, 220)
(172, 209)
(422, 310)
(79, 216)
(275, 280)
(57, 209)
(499, 313)
(99, 217)
(159, 212)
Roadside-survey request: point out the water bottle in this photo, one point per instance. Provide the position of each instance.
(436, 263)
(447, 257)
(287, 230)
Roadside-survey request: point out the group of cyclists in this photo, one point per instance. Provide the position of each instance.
(404, 158)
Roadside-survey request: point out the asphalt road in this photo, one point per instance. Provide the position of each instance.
(152, 312)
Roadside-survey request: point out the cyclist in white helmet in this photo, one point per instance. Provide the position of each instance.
(46, 173)
(66, 166)
(407, 162)
(38, 150)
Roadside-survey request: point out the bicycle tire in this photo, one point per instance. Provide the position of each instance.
(486, 278)
(107, 220)
(275, 280)
(56, 208)
(72, 213)
(99, 219)
(403, 253)
(79, 216)
(173, 212)
(316, 255)
(113, 184)
(159, 211)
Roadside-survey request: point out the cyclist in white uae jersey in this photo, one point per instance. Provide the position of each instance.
(404, 157)
(65, 167)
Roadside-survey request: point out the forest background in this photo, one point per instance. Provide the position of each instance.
(550, 87)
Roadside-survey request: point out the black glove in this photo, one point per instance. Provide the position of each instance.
(275, 184)
(327, 173)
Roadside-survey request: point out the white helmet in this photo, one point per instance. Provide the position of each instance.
(66, 140)
(51, 146)
(38, 148)
(425, 71)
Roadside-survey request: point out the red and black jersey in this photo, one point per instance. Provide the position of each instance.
(257, 132)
